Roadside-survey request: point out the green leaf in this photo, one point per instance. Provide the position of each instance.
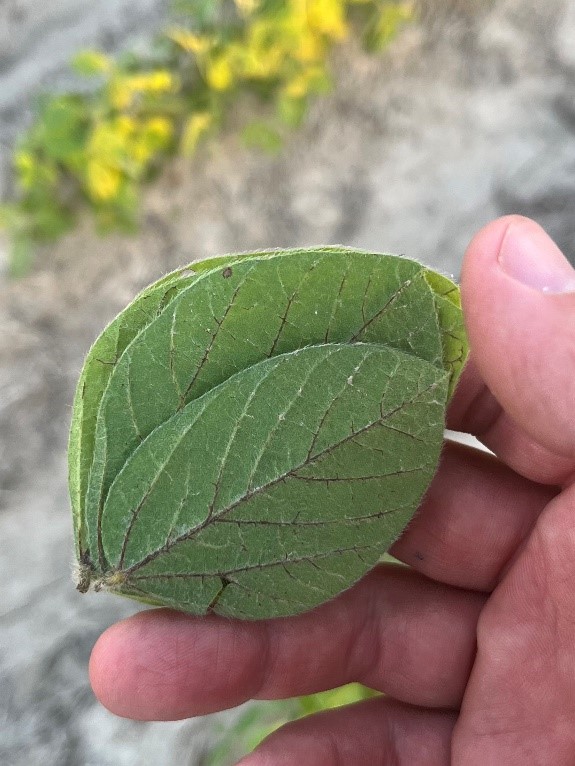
(21, 256)
(279, 447)
(90, 63)
(254, 431)
(63, 127)
(258, 135)
(292, 110)
(450, 317)
(94, 377)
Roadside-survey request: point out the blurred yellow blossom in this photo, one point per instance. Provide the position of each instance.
(120, 94)
(258, 59)
(156, 82)
(309, 48)
(310, 80)
(160, 128)
(126, 126)
(141, 152)
(106, 141)
(196, 126)
(124, 89)
(327, 17)
(190, 41)
(219, 74)
(103, 181)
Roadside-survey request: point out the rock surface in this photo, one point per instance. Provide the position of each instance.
(467, 117)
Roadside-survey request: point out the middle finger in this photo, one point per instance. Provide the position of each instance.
(475, 516)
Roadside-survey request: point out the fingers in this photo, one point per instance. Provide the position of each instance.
(520, 703)
(474, 517)
(395, 631)
(378, 732)
(518, 295)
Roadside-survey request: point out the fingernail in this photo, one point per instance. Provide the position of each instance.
(528, 255)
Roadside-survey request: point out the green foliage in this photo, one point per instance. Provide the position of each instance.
(263, 718)
(93, 150)
(252, 433)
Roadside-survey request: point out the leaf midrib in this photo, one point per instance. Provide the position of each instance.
(247, 496)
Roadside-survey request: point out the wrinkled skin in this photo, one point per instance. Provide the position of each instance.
(474, 643)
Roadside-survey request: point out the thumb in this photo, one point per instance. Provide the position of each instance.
(518, 293)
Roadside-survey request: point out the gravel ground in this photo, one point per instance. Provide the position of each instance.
(469, 116)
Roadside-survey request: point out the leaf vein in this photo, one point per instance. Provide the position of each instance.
(277, 480)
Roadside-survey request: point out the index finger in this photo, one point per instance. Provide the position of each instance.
(396, 631)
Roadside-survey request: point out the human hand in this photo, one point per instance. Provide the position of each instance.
(474, 643)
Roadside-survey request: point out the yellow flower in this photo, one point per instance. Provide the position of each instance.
(327, 17)
(160, 128)
(121, 95)
(197, 125)
(266, 48)
(106, 142)
(124, 89)
(160, 81)
(305, 43)
(103, 180)
(141, 151)
(219, 73)
(193, 43)
(155, 82)
(310, 47)
(126, 126)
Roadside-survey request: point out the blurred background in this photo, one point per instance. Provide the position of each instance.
(137, 136)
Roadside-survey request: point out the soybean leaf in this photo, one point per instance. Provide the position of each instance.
(106, 352)
(234, 317)
(162, 427)
(273, 490)
(94, 377)
(452, 329)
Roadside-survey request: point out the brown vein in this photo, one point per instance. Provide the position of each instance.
(209, 347)
(265, 487)
(330, 479)
(335, 306)
(384, 308)
(142, 502)
(321, 523)
(232, 437)
(250, 567)
(290, 300)
(274, 430)
(329, 409)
